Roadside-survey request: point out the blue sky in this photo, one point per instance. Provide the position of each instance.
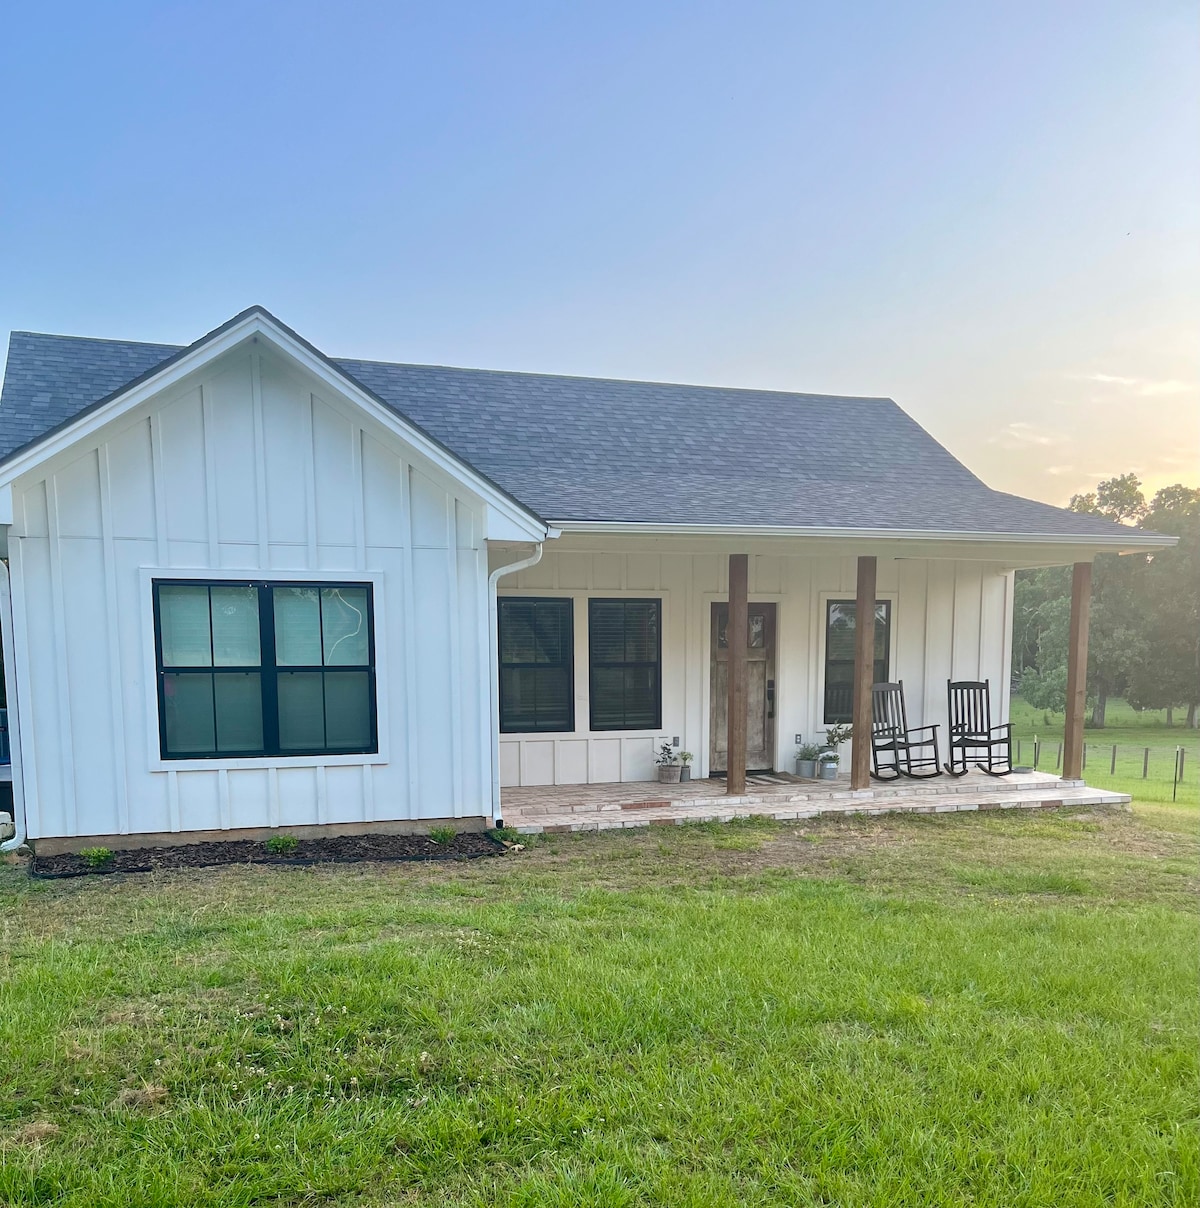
(986, 211)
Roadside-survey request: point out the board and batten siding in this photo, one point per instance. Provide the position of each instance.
(244, 471)
(951, 619)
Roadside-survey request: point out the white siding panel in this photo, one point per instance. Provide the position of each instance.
(383, 491)
(132, 483)
(333, 458)
(297, 797)
(285, 430)
(967, 616)
(235, 470)
(249, 800)
(77, 497)
(181, 440)
(199, 801)
(429, 506)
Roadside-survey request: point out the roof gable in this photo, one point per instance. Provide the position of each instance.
(47, 376)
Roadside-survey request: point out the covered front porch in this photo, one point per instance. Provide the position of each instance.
(554, 809)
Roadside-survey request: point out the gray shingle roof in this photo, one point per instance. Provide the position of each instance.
(603, 450)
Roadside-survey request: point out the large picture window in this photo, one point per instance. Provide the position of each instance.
(839, 654)
(625, 663)
(258, 669)
(536, 662)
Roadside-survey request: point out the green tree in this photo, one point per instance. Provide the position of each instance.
(1169, 674)
(1117, 632)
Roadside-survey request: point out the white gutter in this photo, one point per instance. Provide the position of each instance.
(1120, 540)
(14, 725)
(494, 578)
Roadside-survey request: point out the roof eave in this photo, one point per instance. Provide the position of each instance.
(1125, 542)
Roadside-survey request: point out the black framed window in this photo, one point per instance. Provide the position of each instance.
(625, 664)
(839, 654)
(259, 669)
(536, 644)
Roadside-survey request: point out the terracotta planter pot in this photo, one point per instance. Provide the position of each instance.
(669, 773)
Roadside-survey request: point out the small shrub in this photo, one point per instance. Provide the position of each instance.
(96, 857)
(443, 836)
(282, 845)
(506, 834)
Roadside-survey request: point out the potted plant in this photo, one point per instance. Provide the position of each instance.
(829, 758)
(806, 760)
(685, 762)
(668, 769)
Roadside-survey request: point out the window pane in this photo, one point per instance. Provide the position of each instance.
(839, 655)
(518, 692)
(301, 711)
(235, 626)
(517, 643)
(608, 698)
(553, 698)
(348, 710)
(188, 710)
(297, 627)
(606, 631)
(344, 626)
(641, 632)
(183, 621)
(641, 698)
(239, 712)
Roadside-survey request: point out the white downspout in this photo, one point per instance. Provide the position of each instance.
(14, 713)
(494, 663)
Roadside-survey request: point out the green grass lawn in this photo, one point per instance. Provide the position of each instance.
(963, 1010)
(1132, 733)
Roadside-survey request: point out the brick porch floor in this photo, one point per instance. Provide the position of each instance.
(589, 807)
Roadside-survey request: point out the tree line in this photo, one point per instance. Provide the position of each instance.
(1144, 636)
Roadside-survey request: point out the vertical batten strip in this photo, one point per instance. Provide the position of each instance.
(484, 704)
(160, 489)
(310, 482)
(114, 641)
(209, 426)
(65, 734)
(360, 503)
(25, 722)
(407, 605)
(223, 799)
(176, 823)
(322, 795)
(368, 775)
(456, 718)
(260, 460)
(273, 796)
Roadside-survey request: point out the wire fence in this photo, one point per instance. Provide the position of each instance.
(1112, 761)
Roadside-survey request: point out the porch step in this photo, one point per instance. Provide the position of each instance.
(539, 819)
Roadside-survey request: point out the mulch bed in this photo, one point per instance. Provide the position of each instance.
(341, 850)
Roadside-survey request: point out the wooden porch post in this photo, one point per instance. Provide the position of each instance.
(864, 674)
(735, 636)
(1081, 598)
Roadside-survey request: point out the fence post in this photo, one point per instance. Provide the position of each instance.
(1058, 758)
(1175, 774)
(1146, 763)
(1084, 767)
(1018, 750)
(1037, 752)
(1112, 771)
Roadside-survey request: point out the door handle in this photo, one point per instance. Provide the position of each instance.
(770, 699)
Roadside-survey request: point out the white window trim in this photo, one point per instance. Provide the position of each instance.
(208, 574)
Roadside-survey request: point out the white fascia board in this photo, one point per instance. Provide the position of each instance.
(257, 325)
(1117, 543)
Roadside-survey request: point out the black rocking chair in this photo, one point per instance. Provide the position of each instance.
(972, 736)
(895, 749)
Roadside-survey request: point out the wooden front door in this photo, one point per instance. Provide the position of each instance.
(760, 695)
